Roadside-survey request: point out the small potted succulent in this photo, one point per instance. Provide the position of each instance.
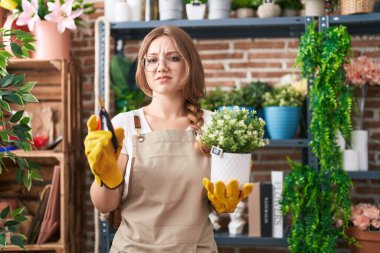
(232, 135)
(195, 9)
(290, 7)
(245, 8)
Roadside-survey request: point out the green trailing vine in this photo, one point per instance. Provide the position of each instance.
(317, 198)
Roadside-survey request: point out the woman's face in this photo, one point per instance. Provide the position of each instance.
(164, 67)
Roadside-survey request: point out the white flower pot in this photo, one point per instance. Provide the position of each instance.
(245, 12)
(170, 9)
(195, 12)
(314, 7)
(219, 9)
(231, 166)
(360, 145)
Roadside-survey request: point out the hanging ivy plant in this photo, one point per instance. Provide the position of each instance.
(318, 197)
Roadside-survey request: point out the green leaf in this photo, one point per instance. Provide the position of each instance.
(16, 117)
(10, 223)
(25, 120)
(14, 97)
(4, 213)
(28, 86)
(17, 211)
(6, 81)
(4, 135)
(4, 105)
(36, 175)
(18, 80)
(16, 50)
(29, 98)
(18, 240)
(27, 181)
(3, 241)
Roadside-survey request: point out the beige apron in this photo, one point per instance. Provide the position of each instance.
(166, 209)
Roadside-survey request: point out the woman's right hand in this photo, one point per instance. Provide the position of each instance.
(101, 155)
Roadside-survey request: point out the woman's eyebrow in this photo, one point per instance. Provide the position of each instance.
(171, 52)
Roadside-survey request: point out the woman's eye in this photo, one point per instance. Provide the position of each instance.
(151, 60)
(174, 58)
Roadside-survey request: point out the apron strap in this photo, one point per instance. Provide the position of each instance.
(137, 121)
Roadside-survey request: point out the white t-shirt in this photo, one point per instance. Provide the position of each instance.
(125, 120)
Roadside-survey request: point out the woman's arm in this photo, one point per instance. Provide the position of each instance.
(104, 199)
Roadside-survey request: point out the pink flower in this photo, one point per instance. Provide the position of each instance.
(362, 222)
(361, 71)
(376, 223)
(29, 14)
(63, 15)
(365, 215)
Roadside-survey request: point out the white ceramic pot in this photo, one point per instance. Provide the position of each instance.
(360, 145)
(170, 9)
(231, 166)
(268, 10)
(219, 9)
(195, 12)
(121, 12)
(245, 12)
(135, 9)
(350, 160)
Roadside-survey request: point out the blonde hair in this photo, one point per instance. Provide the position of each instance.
(194, 80)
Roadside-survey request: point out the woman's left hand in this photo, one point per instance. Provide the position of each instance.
(225, 199)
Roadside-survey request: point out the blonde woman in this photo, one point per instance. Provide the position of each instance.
(164, 206)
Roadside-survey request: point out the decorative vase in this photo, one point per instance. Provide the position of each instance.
(245, 12)
(314, 7)
(350, 160)
(195, 11)
(219, 9)
(268, 10)
(121, 12)
(360, 145)
(50, 44)
(170, 9)
(369, 240)
(282, 121)
(230, 166)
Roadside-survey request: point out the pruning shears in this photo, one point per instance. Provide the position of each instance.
(104, 123)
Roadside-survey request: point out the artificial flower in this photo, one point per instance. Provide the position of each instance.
(29, 16)
(365, 217)
(362, 71)
(63, 15)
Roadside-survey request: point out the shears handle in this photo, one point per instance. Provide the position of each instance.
(104, 123)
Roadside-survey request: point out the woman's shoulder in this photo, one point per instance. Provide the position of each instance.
(124, 119)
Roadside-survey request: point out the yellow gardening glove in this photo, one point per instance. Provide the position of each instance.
(8, 4)
(225, 200)
(101, 155)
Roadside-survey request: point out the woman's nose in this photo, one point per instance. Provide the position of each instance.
(161, 65)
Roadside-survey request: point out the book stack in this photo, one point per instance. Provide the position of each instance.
(264, 210)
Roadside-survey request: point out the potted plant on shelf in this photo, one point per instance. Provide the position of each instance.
(214, 99)
(219, 9)
(15, 131)
(314, 7)
(195, 9)
(290, 7)
(170, 9)
(361, 73)
(282, 111)
(232, 135)
(245, 8)
(365, 228)
(316, 197)
(48, 22)
(268, 9)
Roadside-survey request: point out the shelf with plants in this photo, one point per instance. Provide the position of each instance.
(57, 88)
(280, 27)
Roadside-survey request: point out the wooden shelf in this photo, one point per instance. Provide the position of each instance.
(37, 65)
(41, 247)
(39, 153)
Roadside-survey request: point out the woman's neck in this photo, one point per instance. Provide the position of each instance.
(166, 107)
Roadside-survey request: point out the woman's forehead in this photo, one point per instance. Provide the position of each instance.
(162, 44)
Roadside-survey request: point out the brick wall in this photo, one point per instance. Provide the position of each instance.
(237, 62)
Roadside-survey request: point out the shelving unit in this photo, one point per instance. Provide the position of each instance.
(280, 27)
(58, 88)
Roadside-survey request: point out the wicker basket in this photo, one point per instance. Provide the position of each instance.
(356, 6)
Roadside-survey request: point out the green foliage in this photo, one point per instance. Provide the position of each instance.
(234, 131)
(195, 1)
(283, 96)
(214, 99)
(290, 4)
(317, 198)
(236, 4)
(250, 95)
(14, 128)
(127, 95)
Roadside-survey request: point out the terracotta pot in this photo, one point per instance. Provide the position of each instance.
(369, 240)
(50, 44)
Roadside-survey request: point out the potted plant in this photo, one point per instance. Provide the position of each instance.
(214, 99)
(365, 228)
(48, 22)
(316, 197)
(268, 9)
(314, 7)
(361, 73)
(245, 8)
(195, 9)
(282, 111)
(290, 7)
(232, 135)
(14, 130)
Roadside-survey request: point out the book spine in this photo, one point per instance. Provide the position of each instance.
(278, 221)
(266, 209)
(254, 220)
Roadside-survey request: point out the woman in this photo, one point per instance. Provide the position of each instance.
(164, 206)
